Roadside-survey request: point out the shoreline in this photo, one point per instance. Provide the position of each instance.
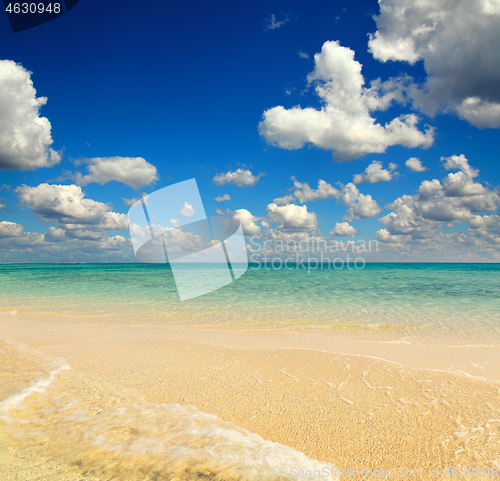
(481, 361)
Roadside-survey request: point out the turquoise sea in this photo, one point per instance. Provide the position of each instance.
(451, 303)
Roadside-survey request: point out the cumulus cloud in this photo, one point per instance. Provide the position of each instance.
(479, 112)
(54, 234)
(461, 184)
(343, 229)
(10, 229)
(129, 202)
(360, 206)
(223, 198)
(486, 224)
(457, 198)
(187, 210)
(12, 234)
(344, 123)
(459, 246)
(375, 173)
(304, 193)
(457, 40)
(54, 246)
(67, 205)
(303, 54)
(181, 243)
(291, 217)
(248, 222)
(25, 137)
(133, 171)
(415, 165)
(240, 178)
(270, 23)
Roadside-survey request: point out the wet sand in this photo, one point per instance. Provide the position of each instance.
(349, 402)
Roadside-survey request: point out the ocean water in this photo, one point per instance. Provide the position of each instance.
(57, 424)
(450, 303)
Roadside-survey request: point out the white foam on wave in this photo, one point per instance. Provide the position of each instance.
(110, 426)
(176, 435)
(16, 401)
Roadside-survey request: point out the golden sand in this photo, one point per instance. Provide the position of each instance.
(350, 403)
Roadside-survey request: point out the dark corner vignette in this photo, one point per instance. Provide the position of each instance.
(29, 14)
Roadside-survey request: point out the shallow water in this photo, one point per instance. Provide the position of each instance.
(50, 415)
(59, 424)
(455, 303)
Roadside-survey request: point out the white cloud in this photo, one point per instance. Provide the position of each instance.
(223, 198)
(486, 223)
(361, 206)
(455, 199)
(133, 171)
(247, 219)
(248, 222)
(86, 234)
(458, 43)
(303, 54)
(304, 193)
(459, 246)
(129, 202)
(461, 183)
(13, 235)
(375, 173)
(181, 243)
(415, 165)
(187, 210)
(270, 23)
(343, 229)
(349, 194)
(480, 113)
(364, 208)
(25, 137)
(55, 246)
(291, 217)
(10, 229)
(344, 124)
(55, 235)
(240, 178)
(67, 205)
(291, 241)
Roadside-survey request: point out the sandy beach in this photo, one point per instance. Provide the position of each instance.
(375, 405)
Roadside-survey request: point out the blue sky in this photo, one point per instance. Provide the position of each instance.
(147, 95)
